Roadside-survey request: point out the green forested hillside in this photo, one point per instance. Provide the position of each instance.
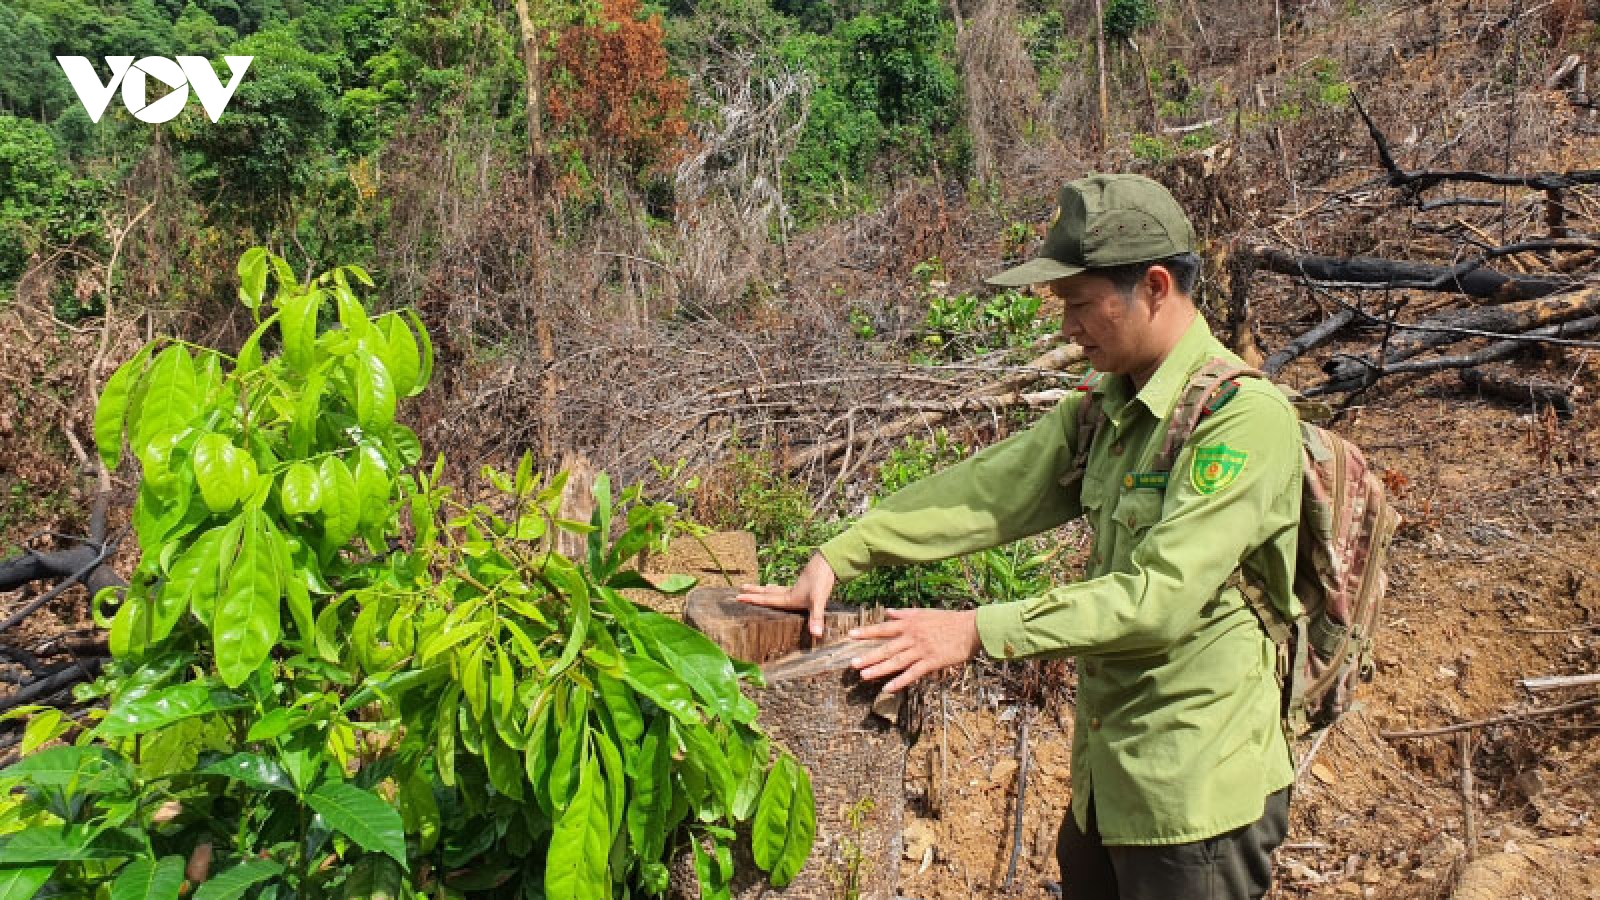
(342, 94)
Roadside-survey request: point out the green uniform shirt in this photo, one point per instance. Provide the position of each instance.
(1178, 735)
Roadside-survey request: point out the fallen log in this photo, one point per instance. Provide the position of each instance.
(1539, 393)
(819, 709)
(1375, 273)
(1309, 341)
(1494, 352)
(1509, 320)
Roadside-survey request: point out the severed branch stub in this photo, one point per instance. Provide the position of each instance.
(818, 708)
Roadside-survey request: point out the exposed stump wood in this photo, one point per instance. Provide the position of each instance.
(819, 709)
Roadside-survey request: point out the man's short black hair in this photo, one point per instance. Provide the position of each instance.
(1185, 269)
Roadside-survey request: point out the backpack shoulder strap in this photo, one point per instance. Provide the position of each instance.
(1208, 389)
(1089, 416)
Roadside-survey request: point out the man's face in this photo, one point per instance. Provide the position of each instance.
(1109, 325)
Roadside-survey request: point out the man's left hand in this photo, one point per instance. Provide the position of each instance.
(916, 642)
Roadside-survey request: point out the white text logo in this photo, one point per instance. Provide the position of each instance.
(187, 72)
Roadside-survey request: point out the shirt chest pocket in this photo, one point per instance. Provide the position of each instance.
(1136, 510)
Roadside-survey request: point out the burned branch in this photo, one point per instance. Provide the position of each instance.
(1385, 274)
(1419, 181)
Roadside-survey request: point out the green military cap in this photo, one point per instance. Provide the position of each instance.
(1105, 220)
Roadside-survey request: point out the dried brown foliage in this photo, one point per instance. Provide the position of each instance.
(611, 91)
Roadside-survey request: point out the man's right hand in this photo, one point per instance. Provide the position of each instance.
(810, 592)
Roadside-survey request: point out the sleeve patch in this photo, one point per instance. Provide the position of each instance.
(1215, 467)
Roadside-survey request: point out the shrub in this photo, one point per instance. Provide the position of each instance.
(331, 678)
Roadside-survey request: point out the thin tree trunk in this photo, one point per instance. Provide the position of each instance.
(1149, 94)
(1100, 67)
(530, 63)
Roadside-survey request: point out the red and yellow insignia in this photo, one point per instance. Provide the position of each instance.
(1215, 467)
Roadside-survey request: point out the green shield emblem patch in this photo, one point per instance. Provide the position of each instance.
(1215, 467)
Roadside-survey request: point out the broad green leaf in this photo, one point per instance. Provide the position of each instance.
(235, 882)
(22, 882)
(623, 708)
(112, 412)
(79, 768)
(570, 738)
(602, 525)
(299, 326)
(705, 754)
(652, 790)
(613, 775)
(249, 358)
(503, 690)
(285, 273)
(474, 682)
(245, 625)
(68, 843)
(419, 811)
(252, 769)
(571, 584)
(664, 688)
(361, 816)
(352, 315)
(375, 394)
(307, 415)
(372, 486)
(748, 757)
(299, 601)
(375, 878)
(171, 400)
(575, 867)
(300, 492)
(425, 375)
(278, 721)
(404, 444)
(404, 360)
(360, 274)
(696, 659)
(165, 706)
(43, 726)
(675, 584)
(149, 879)
(131, 627)
(503, 764)
(252, 277)
(224, 473)
(785, 823)
(445, 742)
(195, 572)
(202, 571)
(712, 870)
(341, 503)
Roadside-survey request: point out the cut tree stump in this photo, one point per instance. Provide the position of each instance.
(817, 708)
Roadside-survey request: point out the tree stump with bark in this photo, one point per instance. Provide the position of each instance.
(817, 708)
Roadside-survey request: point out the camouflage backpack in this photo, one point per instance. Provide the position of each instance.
(1346, 524)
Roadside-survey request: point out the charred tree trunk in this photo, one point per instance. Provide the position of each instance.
(1386, 273)
(817, 708)
(1507, 320)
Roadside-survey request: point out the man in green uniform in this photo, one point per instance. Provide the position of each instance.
(1180, 767)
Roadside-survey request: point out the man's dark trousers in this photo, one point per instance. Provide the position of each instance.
(1236, 865)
